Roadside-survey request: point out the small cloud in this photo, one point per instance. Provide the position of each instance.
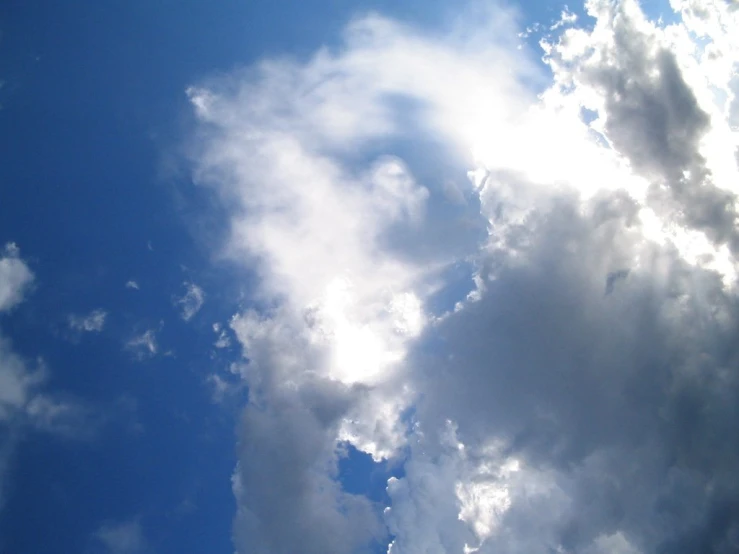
(223, 341)
(60, 417)
(23, 401)
(15, 277)
(192, 301)
(132, 285)
(221, 388)
(566, 18)
(121, 538)
(143, 346)
(18, 381)
(92, 322)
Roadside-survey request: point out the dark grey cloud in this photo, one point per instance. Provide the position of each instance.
(652, 117)
(630, 398)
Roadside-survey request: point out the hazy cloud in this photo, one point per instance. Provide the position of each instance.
(92, 322)
(24, 404)
(144, 345)
(191, 302)
(121, 538)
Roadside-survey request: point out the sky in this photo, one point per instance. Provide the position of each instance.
(337, 277)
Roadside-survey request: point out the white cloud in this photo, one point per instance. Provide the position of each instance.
(144, 345)
(15, 277)
(16, 380)
(191, 302)
(219, 387)
(92, 322)
(125, 537)
(583, 397)
(132, 285)
(24, 404)
(223, 340)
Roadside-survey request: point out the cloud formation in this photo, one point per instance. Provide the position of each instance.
(125, 537)
(16, 381)
(582, 395)
(143, 346)
(191, 302)
(92, 322)
(15, 277)
(24, 404)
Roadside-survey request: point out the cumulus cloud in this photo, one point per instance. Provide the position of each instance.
(582, 397)
(92, 322)
(191, 302)
(132, 285)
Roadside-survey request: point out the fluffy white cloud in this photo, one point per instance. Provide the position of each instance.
(92, 322)
(132, 285)
(191, 302)
(344, 249)
(583, 398)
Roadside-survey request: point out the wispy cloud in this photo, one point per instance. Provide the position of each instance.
(15, 277)
(92, 322)
(143, 346)
(126, 537)
(223, 340)
(17, 381)
(25, 404)
(132, 285)
(191, 302)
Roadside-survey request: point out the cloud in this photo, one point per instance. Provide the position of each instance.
(223, 340)
(321, 228)
(16, 380)
(15, 277)
(143, 346)
(92, 322)
(132, 285)
(125, 537)
(220, 388)
(656, 109)
(24, 405)
(192, 301)
(582, 395)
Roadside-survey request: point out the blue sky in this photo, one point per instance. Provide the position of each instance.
(347, 277)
